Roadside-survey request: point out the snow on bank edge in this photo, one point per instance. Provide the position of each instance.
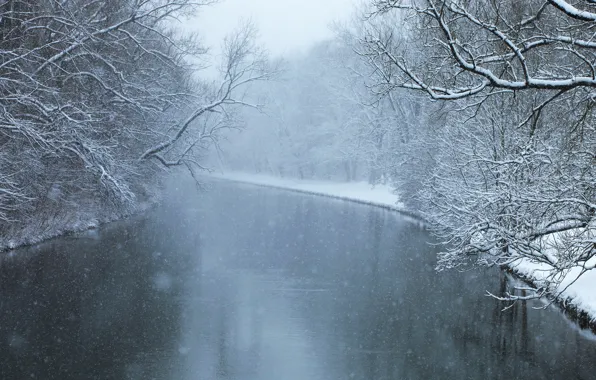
(81, 222)
(577, 293)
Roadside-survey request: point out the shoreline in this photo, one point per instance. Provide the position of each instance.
(89, 224)
(382, 197)
(583, 319)
(571, 308)
(389, 201)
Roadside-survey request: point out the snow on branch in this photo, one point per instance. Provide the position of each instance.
(484, 47)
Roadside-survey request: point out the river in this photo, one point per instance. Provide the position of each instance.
(242, 282)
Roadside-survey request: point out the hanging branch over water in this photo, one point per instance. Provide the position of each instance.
(490, 47)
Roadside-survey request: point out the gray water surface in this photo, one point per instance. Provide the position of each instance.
(243, 282)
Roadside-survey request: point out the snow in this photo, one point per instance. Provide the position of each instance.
(580, 292)
(361, 192)
(575, 286)
(86, 221)
(162, 282)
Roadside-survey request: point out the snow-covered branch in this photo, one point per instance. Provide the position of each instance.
(486, 47)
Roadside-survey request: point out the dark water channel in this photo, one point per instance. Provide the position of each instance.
(250, 283)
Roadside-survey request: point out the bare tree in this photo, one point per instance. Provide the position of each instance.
(87, 86)
(514, 177)
(75, 73)
(243, 64)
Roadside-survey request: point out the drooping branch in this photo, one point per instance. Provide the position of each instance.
(243, 64)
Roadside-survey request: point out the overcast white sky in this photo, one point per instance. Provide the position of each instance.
(285, 26)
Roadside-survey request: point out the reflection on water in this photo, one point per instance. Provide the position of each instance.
(248, 283)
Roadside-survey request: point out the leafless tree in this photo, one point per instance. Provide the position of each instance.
(243, 64)
(88, 86)
(514, 176)
(500, 44)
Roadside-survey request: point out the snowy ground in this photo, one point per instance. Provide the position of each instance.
(577, 286)
(362, 192)
(579, 292)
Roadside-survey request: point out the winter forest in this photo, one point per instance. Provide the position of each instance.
(480, 114)
(477, 118)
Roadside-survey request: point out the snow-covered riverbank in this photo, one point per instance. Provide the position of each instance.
(576, 295)
(39, 228)
(361, 192)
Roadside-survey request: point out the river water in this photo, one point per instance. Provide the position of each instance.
(242, 282)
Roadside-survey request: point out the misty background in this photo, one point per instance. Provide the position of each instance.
(480, 119)
(467, 129)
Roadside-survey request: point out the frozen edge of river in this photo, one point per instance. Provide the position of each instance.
(578, 301)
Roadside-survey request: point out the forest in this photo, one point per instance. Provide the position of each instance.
(98, 98)
(479, 114)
